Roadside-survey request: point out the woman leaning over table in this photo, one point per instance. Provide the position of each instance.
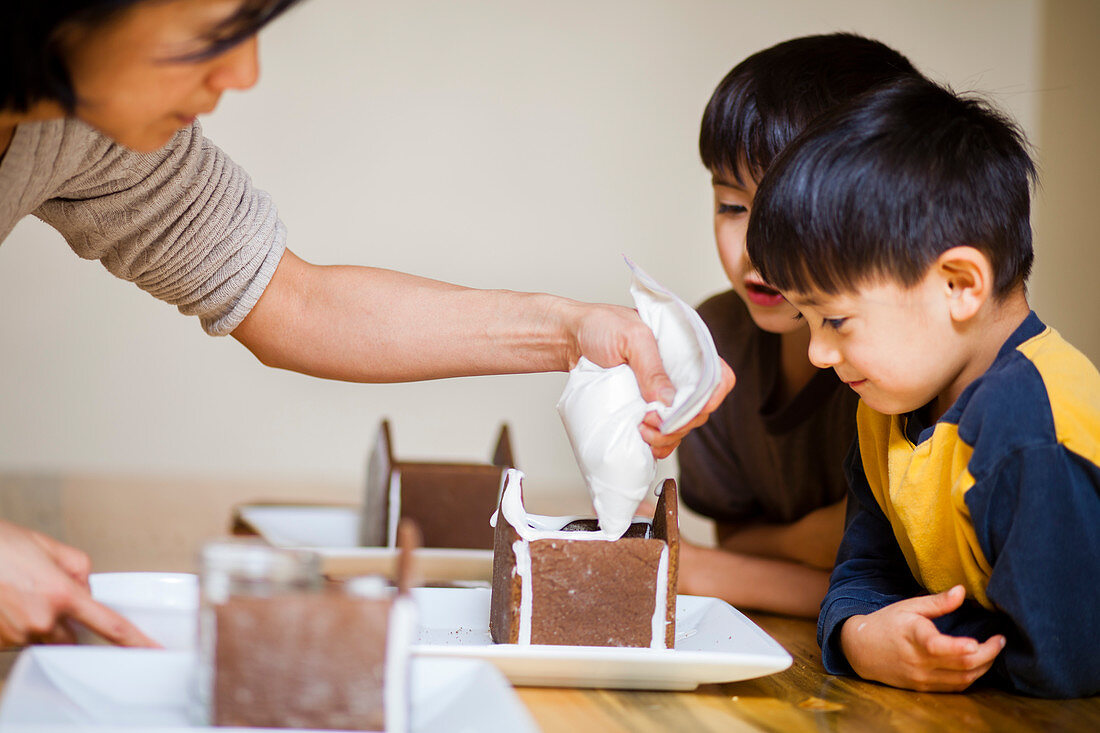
(98, 138)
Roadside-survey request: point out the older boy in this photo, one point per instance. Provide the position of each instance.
(898, 225)
(768, 466)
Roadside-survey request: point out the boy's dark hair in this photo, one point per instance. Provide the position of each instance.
(881, 186)
(765, 101)
(32, 63)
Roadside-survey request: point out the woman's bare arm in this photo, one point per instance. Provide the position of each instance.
(365, 324)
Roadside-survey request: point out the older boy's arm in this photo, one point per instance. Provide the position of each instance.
(747, 581)
(1037, 521)
(811, 540)
(712, 483)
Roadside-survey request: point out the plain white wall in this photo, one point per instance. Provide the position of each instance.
(495, 144)
(1067, 256)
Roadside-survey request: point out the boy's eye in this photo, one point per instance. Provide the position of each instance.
(731, 209)
(833, 323)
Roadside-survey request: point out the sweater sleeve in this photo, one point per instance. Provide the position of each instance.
(870, 572)
(184, 223)
(1036, 518)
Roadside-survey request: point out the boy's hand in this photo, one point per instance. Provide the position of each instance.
(900, 646)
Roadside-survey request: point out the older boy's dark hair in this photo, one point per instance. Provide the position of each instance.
(769, 98)
(32, 63)
(881, 186)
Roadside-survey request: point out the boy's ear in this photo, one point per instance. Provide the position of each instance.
(967, 278)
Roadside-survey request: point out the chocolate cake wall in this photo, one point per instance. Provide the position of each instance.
(451, 503)
(594, 593)
(301, 661)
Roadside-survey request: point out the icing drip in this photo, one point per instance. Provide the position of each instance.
(395, 509)
(396, 693)
(533, 527)
(523, 570)
(659, 621)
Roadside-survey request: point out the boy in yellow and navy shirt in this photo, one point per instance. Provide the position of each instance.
(898, 225)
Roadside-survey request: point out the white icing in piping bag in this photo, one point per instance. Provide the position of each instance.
(602, 408)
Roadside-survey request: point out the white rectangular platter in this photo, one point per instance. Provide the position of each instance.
(714, 643)
(103, 689)
(333, 533)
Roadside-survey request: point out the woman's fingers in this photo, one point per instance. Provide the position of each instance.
(61, 633)
(75, 563)
(13, 626)
(660, 444)
(106, 622)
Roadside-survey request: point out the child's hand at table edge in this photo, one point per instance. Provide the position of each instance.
(899, 645)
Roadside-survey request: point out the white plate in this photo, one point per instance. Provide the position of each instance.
(333, 533)
(291, 525)
(714, 643)
(106, 689)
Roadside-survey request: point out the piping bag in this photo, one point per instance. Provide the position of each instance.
(602, 408)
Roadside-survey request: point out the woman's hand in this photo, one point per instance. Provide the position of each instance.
(900, 646)
(44, 586)
(608, 336)
(663, 444)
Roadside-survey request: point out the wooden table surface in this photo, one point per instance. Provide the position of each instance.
(115, 520)
(802, 698)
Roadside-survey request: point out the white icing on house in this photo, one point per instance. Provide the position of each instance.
(523, 570)
(394, 508)
(396, 694)
(400, 636)
(658, 641)
(536, 526)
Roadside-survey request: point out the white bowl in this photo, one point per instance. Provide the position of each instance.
(163, 605)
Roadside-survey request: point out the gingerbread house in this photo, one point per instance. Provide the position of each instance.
(449, 501)
(322, 657)
(559, 580)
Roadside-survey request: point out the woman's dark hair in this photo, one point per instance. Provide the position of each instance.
(769, 98)
(878, 188)
(32, 63)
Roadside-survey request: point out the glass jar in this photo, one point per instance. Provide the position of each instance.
(242, 568)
